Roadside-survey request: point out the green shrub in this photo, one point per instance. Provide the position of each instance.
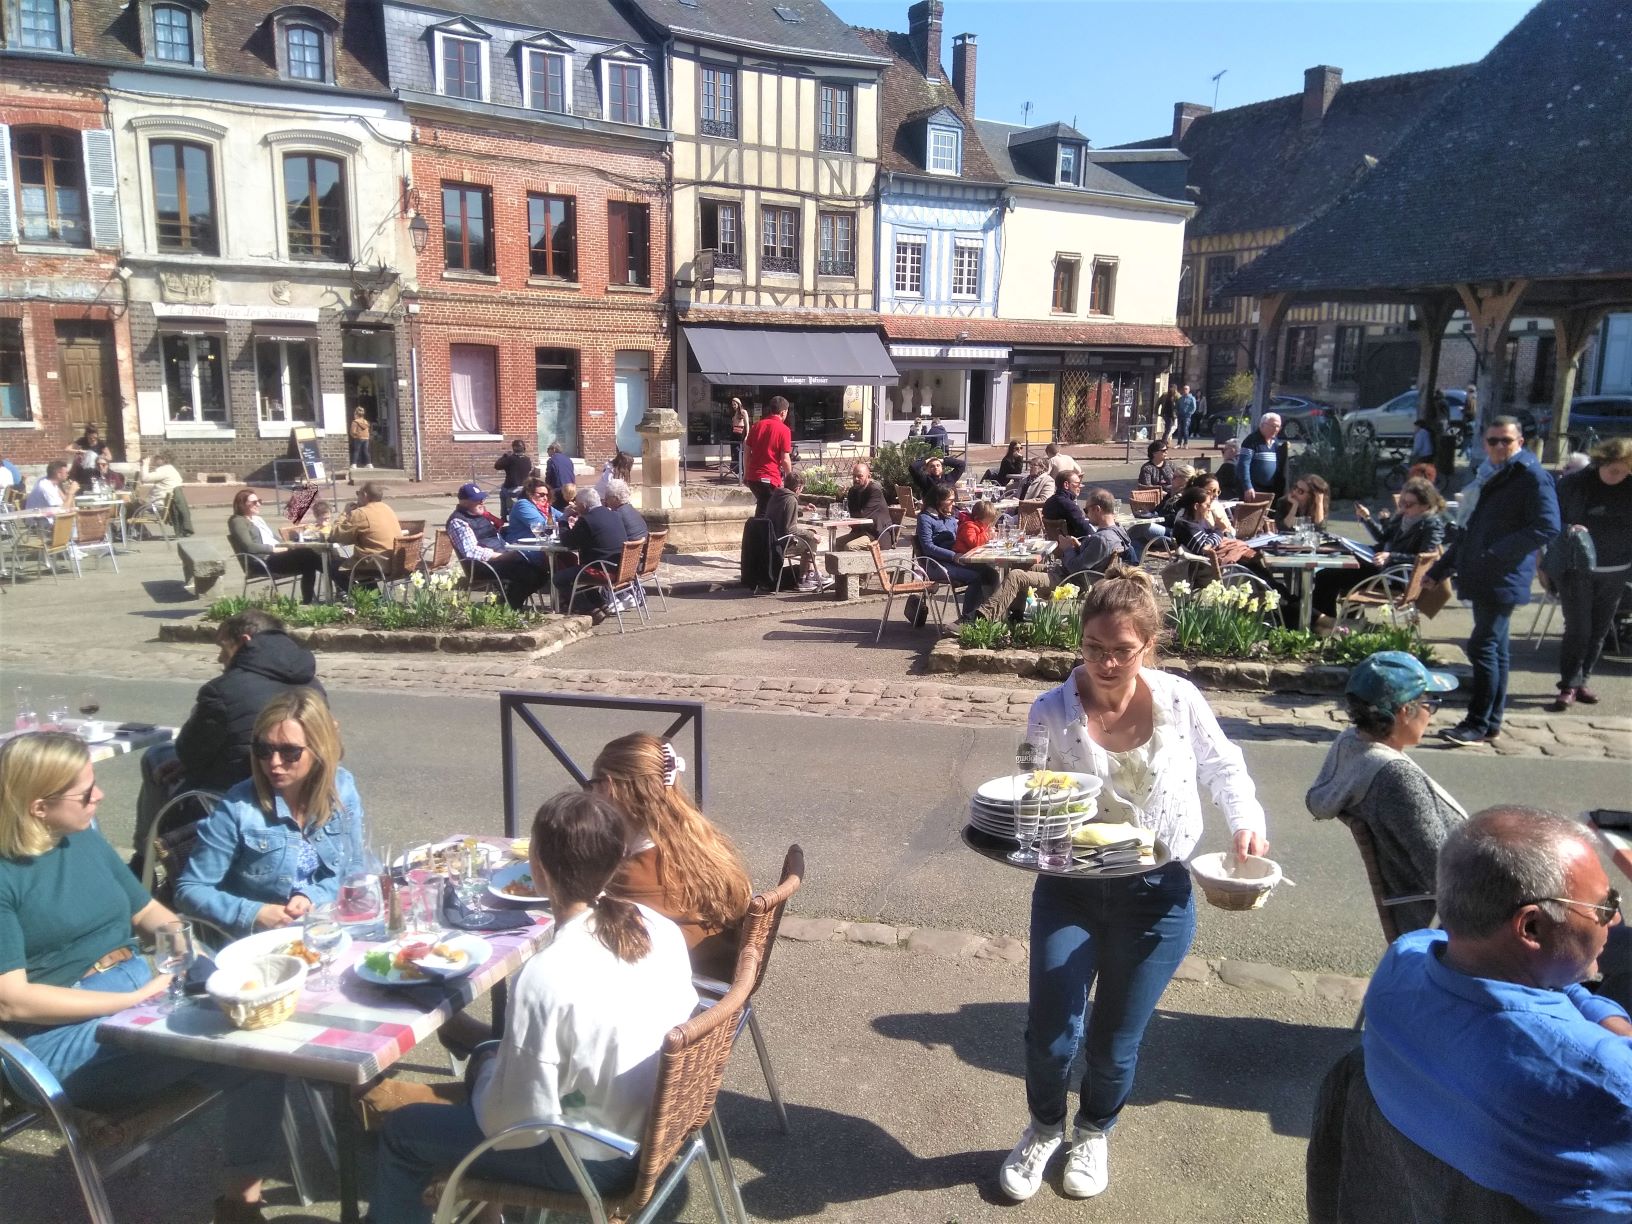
(1349, 465)
(983, 634)
(1292, 643)
(823, 481)
(1350, 646)
(429, 603)
(1228, 621)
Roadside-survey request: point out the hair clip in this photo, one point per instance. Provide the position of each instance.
(673, 763)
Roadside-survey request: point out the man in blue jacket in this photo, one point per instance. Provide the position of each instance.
(1494, 560)
(936, 539)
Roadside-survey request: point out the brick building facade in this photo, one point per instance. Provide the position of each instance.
(64, 342)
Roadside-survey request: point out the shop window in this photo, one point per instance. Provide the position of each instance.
(966, 268)
(721, 232)
(183, 197)
(467, 236)
(314, 195)
(1298, 357)
(909, 266)
(195, 382)
(625, 91)
(1346, 354)
(837, 123)
(718, 102)
(552, 235)
(1064, 300)
(544, 79)
(1219, 270)
(1102, 288)
(629, 243)
(286, 379)
(779, 240)
(42, 25)
(50, 182)
(473, 382)
(836, 234)
(13, 376)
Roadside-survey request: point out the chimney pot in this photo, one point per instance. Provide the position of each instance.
(963, 69)
(1184, 114)
(924, 29)
(1320, 86)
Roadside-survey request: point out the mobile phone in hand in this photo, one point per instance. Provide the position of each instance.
(1611, 818)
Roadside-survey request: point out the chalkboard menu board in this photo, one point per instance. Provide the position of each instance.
(303, 446)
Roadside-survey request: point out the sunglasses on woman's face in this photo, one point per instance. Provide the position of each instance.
(289, 754)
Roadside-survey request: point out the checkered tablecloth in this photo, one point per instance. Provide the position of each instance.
(349, 1035)
(122, 742)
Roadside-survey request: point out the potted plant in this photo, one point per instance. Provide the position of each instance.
(1236, 396)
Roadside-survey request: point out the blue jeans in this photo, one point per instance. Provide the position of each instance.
(1143, 533)
(1131, 934)
(107, 1078)
(422, 1140)
(1487, 651)
(976, 577)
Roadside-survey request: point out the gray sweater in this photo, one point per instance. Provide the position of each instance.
(1408, 814)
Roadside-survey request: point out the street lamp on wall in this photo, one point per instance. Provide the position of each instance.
(419, 231)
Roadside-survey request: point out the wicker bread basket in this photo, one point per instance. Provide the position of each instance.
(259, 993)
(1233, 883)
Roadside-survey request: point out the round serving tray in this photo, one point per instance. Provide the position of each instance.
(998, 850)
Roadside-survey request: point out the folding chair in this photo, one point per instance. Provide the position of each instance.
(892, 586)
(651, 564)
(680, 1128)
(93, 537)
(47, 538)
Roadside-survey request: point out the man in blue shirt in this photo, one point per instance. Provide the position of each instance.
(1185, 414)
(1261, 465)
(1481, 1046)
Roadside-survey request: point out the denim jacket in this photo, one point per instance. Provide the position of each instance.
(245, 859)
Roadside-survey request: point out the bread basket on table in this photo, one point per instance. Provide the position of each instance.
(259, 993)
(1233, 883)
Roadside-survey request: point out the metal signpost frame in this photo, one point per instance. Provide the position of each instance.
(520, 708)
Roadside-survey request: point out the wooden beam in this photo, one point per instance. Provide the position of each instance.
(1434, 313)
(1490, 308)
(1571, 331)
(1271, 313)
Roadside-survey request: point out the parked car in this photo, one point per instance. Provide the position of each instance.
(1395, 420)
(1301, 418)
(1606, 416)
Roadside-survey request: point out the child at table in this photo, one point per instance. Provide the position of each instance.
(588, 1014)
(975, 528)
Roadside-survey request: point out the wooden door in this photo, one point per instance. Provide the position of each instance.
(90, 383)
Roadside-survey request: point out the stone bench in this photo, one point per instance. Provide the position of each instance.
(850, 569)
(203, 564)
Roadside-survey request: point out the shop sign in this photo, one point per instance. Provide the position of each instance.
(805, 380)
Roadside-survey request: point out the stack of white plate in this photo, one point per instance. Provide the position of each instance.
(991, 809)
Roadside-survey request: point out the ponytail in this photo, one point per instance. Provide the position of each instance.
(620, 928)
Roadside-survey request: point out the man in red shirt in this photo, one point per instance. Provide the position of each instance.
(770, 453)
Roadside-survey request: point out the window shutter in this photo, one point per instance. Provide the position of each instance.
(8, 212)
(101, 187)
(641, 245)
(617, 242)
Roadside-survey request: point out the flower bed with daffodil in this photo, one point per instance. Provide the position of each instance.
(1230, 635)
(428, 612)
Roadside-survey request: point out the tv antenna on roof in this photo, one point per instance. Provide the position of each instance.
(1025, 113)
(1217, 76)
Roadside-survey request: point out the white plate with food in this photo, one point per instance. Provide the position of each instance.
(412, 961)
(280, 941)
(436, 857)
(1052, 783)
(515, 883)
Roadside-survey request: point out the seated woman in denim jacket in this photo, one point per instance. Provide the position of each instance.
(277, 844)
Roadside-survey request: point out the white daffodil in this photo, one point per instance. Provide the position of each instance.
(418, 579)
(1180, 589)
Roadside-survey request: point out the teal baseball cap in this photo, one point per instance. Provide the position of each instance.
(1390, 679)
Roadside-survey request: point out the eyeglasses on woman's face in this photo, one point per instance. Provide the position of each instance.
(1116, 656)
(290, 754)
(1408, 503)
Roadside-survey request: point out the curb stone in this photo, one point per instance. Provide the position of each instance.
(954, 945)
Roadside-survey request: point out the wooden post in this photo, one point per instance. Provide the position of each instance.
(1434, 313)
(1490, 309)
(1571, 331)
(1271, 313)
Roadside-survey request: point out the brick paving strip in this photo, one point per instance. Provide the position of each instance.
(1243, 975)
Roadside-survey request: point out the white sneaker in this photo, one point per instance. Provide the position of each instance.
(1022, 1172)
(1087, 1165)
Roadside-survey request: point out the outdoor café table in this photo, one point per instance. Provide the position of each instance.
(551, 550)
(833, 526)
(1302, 568)
(1001, 556)
(346, 1037)
(125, 740)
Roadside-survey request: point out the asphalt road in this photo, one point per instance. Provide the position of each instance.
(877, 807)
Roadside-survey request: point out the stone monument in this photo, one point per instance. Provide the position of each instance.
(660, 474)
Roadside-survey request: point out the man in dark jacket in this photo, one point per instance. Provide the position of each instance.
(934, 473)
(558, 474)
(211, 752)
(864, 499)
(1494, 560)
(598, 535)
(1063, 506)
(1261, 465)
(516, 465)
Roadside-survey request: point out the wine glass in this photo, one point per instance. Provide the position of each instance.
(173, 953)
(1030, 753)
(89, 703)
(321, 932)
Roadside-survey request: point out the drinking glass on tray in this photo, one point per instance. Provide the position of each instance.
(1030, 753)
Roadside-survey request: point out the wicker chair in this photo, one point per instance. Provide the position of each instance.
(1395, 590)
(625, 579)
(389, 570)
(892, 586)
(651, 563)
(47, 538)
(1249, 518)
(1145, 501)
(93, 537)
(757, 938)
(680, 1128)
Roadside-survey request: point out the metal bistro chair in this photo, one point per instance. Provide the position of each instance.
(1249, 518)
(441, 555)
(794, 549)
(93, 537)
(166, 852)
(390, 572)
(256, 570)
(757, 937)
(892, 586)
(1395, 590)
(680, 1128)
(651, 564)
(46, 539)
(624, 580)
(153, 511)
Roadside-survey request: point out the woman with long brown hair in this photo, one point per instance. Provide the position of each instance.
(587, 1017)
(679, 864)
(277, 844)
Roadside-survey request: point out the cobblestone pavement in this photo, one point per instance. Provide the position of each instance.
(1245, 717)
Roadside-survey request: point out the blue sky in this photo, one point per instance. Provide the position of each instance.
(1118, 67)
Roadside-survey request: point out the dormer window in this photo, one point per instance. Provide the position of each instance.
(304, 46)
(1070, 161)
(42, 25)
(546, 74)
(304, 39)
(623, 86)
(461, 61)
(945, 151)
(173, 34)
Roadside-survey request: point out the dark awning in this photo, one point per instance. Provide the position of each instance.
(266, 329)
(757, 356)
(193, 327)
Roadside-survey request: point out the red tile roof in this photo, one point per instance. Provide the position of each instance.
(1018, 331)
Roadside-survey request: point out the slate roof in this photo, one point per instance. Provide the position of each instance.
(591, 18)
(995, 136)
(1523, 170)
(755, 23)
(1258, 167)
(906, 98)
(238, 40)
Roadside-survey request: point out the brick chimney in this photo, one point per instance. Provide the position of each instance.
(1184, 114)
(963, 69)
(924, 29)
(1320, 86)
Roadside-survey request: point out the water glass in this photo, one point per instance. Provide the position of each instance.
(173, 953)
(26, 717)
(57, 713)
(1030, 754)
(1054, 843)
(421, 906)
(322, 932)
